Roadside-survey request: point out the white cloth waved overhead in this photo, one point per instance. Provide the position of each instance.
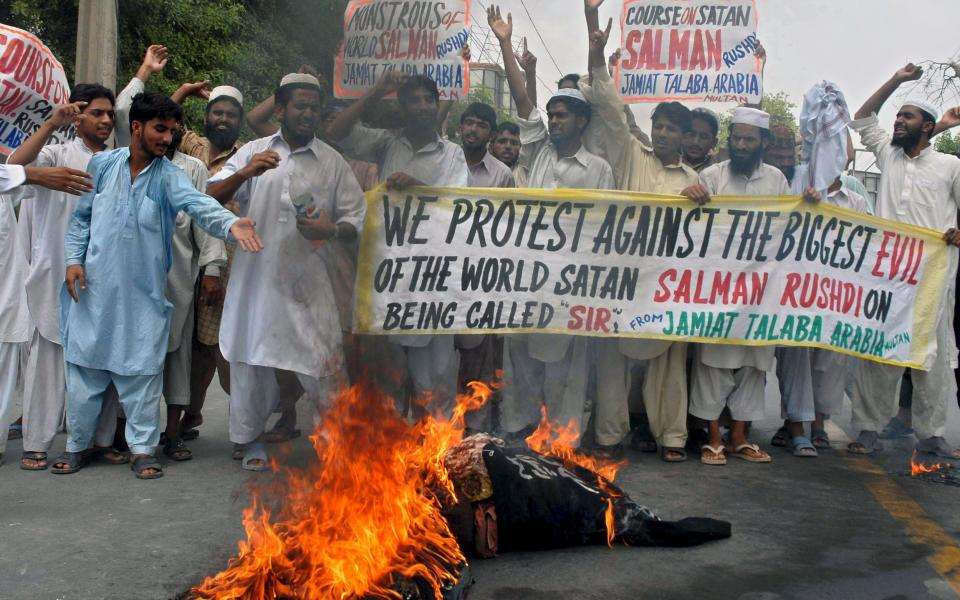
(823, 126)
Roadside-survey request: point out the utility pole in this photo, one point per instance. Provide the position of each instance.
(97, 43)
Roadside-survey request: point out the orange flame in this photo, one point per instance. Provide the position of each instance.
(917, 469)
(552, 438)
(365, 514)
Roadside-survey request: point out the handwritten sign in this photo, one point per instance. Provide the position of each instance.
(32, 83)
(418, 38)
(689, 50)
(739, 270)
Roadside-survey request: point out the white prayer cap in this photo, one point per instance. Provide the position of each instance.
(300, 79)
(569, 93)
(751, 116)
(922, 104)
(225, 91)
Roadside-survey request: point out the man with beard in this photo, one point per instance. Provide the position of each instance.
(413, 155)
(782, 151)
(724, 375)
(115, 331)
(477, 123)
(700, 142)
(44, 217)
(505, 146)
(223, 117)
(919, 186)
(547, 369)
(656, 170)
(301, 191)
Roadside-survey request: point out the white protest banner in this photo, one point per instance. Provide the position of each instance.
(32, 83)
(418, 38)
(739, 270)
(689, 50)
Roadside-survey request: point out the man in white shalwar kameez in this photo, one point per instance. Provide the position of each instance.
(413, 155)
(15, 322)
(280, 312)
(730, 375)
(44, 216)
(547, 370)
(812, 379)
(918, 186)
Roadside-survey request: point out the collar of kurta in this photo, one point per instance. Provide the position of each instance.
(678, 165)
(582, 155)
(433, 146)
(277, 138)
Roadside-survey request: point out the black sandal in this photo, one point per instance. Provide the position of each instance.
(175, 449)
(642, 439)
(35, 456)
(109, 455)
(144, 462)
(74, 461)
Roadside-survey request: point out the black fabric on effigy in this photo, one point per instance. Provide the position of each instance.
(542, 503)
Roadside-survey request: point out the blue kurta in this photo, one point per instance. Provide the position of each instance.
(121, 233)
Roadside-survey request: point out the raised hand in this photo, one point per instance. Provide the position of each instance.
(75, 281)
(465, 52)
(260, 163)
(197, 89)
(390, 82)
(761, 53)
(614, 60)
(527, 60)
(910, 72)
(598, 39)
(500, 28)
(61, 179)
(590, 5)
(155, 58)
(245, 232)
(951, 118)
(64, 114)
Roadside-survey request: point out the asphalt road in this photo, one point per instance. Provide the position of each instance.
(837, 526)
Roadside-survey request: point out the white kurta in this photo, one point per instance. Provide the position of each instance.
(280, 310)
(721, 181)
(14, 318)
(193, 248)
(44, 217)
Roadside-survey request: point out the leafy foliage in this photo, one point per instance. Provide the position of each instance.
(249, 44)
(781, 110)
(947, 143)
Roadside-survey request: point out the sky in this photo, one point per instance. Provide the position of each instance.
(857, 44)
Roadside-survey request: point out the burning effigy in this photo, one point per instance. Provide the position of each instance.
(390, 508)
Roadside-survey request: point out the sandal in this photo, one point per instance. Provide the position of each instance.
(802, 447)
(867, 442)
(108, 455)
(142, 462)
(278, 435)
(190, 432)
(666, 451)
(781, 438)
(938, 447)
(642, 439)
(38, 457)
(72, 461)
(713, 456)
(175, 449)
(750, 453)
(255, 451)
(238, 452)
(820, 439)
(15, 432)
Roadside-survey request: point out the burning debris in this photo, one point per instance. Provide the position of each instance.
(388, 506)
(947, 473)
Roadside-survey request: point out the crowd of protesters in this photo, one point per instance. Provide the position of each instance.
(139, 273)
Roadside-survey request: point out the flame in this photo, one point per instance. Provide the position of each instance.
(552, 438)
(364, 516)
(917, 468)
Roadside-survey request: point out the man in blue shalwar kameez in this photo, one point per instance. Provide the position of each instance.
(118, 252)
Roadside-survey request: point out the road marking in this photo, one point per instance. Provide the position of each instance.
(920, 528)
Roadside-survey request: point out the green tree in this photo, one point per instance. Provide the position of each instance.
(781, 110)
(249, 44)
(947, 143)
